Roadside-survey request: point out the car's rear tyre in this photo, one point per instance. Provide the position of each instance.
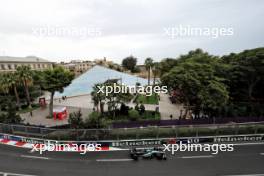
(134, 157)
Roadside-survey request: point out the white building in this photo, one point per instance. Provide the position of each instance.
(8, 63)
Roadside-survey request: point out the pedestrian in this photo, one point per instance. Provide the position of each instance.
(31, 113)
(171, 116)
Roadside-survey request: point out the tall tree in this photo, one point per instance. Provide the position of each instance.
(11, 81)
(200, 87)
(4, 86)
(155, 71)
(167, 64)
(246, 75)
(55, 80)
(98, 97)
(148, 65)
(130, 63)
(25, 75)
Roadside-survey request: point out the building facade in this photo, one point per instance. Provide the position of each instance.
(77, 67)
(9, 64)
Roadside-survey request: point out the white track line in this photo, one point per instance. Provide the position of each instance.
(113, 160)
(261, 153)
(246, 175)
(252, 143)
(198, 156)
(34, 157)
(13, 174)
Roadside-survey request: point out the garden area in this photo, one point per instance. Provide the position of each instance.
(144, 99)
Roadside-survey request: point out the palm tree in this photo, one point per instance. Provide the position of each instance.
(11, 81)
(95, 99)
(148, 65)
(25, 75)
(155, 71)
(98, 98)
(3, 84)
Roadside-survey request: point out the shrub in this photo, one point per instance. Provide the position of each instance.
(124, 109)
(133, 115)
(11, 115)
(141, 109)
(137, 107)
(75, 120)
(93, 120)
(2, 117)
(94, 116)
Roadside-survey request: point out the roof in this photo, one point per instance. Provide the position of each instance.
(22, 59)
(112, 80)
(83, 84)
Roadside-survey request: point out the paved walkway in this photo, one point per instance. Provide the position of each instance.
(39, 116)
(166, 108)
(85, 104)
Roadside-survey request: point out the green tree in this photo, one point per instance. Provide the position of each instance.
(246, 82)
(4, 86)
(130, 63)
(25, 75)
(247, 74)
(114, 100)
(167, 64)
(55, 80)
(98, 97)
(148, 65)
(11, 81)
(200, 87)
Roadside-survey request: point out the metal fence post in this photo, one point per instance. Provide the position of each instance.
(176, 131)
(26, 130)
(256, 128)
(41, 133)
(236, 129)
(158, 129)
(12, 129)
(137, 132)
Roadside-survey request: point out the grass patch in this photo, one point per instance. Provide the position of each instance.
(27, 109)
(152, 115)
(153, 99)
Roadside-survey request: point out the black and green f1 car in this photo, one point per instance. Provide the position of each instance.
(148, 153)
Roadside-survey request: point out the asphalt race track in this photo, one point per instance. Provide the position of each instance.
(245, 160)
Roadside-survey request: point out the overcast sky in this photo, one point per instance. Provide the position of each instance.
(119, 28)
